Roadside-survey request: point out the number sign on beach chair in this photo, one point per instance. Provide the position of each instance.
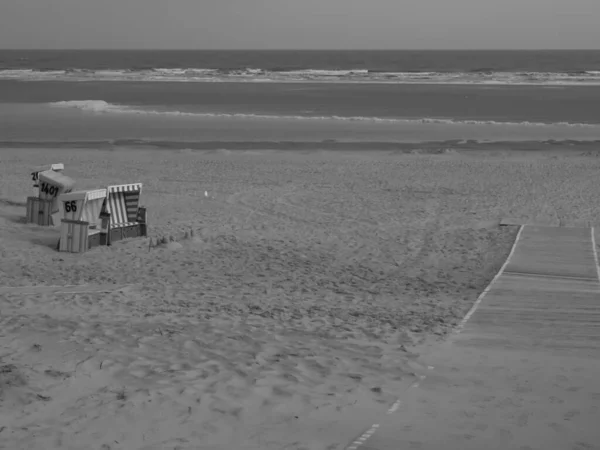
(126, 218)
(35, 174)
(44, 209)
(81, 225)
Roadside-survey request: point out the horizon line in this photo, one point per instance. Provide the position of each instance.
(304, 49)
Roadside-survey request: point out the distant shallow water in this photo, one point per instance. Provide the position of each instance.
(22, 123)
(308, 114)
(514, 104)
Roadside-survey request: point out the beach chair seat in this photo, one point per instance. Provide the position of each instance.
(126, 218)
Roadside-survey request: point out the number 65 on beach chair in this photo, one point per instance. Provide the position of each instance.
(125, 217)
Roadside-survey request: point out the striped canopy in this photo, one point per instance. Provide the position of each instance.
(122, 203)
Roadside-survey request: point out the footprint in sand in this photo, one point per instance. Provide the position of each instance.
(238, 387)
(571, 414)
(469, 414)
(505, 434)
(192, 347)
(523, 389)
(558, 428)
(555, 400)
(280, 391)
(523, 420)
(139, 373)
(56, 374)
(583, 446)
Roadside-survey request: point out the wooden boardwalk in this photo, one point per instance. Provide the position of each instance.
(524, 372)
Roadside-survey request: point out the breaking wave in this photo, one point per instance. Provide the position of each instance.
(480, 76)
(100, 106)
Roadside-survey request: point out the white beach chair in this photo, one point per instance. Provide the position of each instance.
(81, 223)
(43, 208)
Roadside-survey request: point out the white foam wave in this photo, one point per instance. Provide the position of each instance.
(88, 105)
(589, 78)
(327, 73)
(100, 106)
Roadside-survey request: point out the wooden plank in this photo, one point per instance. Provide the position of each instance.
(63, 245)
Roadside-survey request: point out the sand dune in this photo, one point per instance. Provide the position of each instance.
(285, 322)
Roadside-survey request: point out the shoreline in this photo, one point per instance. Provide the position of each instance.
(483, 84)
(471, 146)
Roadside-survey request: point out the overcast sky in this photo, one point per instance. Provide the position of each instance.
(300, 24)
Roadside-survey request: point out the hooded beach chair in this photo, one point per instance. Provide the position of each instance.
(35, 174)
(126, 219)
(81, 225)
(43, 209)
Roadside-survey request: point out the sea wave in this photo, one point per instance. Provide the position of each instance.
(480, 76)
(101, 106)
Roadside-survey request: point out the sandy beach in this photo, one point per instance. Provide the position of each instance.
(294, 314)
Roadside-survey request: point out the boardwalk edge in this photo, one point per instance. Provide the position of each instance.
(595, 253)
(485, 291)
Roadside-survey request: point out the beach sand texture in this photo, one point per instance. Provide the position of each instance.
(285, 322)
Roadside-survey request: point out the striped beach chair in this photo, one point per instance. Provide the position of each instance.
(125, 217)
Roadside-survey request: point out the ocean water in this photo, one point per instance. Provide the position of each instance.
(486, 67)
(319, 97)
